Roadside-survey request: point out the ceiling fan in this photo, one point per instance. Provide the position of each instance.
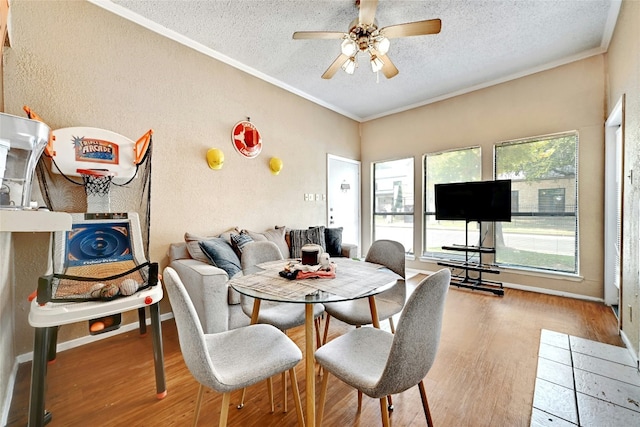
(365, 36)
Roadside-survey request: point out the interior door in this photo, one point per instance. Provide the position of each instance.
(343, 197)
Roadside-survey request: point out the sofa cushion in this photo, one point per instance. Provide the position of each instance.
(238, 242)
(194, 248)
(226, 235)
(257, 237)
(333, 240)
(221, 254)
(211, 296)
(178, 251)
(299, 238)
(275, 235)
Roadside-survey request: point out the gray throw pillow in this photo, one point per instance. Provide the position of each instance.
(333, 238)
(238, 242)
(299, 238)
(221, 254)
(275, 235)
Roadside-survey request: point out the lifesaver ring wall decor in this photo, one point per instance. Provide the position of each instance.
(246, 139)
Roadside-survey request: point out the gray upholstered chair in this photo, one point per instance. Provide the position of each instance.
(356, 312)
(282, 315)
(230, 360)
(379, 363)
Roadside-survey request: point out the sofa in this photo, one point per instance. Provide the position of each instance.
(205, 264)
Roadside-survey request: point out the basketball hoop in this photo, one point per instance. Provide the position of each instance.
(96, 185)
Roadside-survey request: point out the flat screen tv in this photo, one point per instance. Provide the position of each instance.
(474, 201)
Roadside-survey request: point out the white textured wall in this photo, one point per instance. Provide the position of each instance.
(562, 99)
(624, 79)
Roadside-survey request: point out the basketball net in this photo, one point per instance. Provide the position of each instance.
(96, 185)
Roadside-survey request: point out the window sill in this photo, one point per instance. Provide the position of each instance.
(522, 271)
(543, 273)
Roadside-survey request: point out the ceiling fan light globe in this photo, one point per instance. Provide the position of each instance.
(382, 45)
(348, 47)
(349, 66)
(376, 64)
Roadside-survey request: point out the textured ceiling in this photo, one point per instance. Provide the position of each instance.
(481, 43)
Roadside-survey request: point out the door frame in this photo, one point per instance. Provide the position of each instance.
(333, 157)
(614, 122)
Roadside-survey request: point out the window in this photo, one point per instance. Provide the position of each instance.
(393, 202)
(543, 232)
(551, 200)
(462, 165)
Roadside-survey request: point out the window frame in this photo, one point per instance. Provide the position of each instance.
(377, 212)
(540, 214)
(473, 231)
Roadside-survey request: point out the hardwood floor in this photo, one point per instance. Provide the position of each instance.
(484, 373)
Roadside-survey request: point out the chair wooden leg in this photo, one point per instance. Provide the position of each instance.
(323, 398)
(270, 388)
(241, 405)
(326, 329)
(196, 413)
(224, 411)
(384, 412)
(284, 392)
(359, 400)
(425, 404)
(322, 341)
(389, 399)
(296, 396)
(318, 340)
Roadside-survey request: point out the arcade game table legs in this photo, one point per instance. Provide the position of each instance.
(46, 337)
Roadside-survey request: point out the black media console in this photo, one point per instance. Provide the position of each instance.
(473, 263)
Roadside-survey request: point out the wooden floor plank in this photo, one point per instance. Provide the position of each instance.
(484, 372)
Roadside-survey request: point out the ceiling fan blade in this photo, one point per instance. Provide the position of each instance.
(419, 28)
(333, 68)
(367, 11)
(388, 69)
(318, 35)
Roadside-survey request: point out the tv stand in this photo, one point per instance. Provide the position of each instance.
(464, 279)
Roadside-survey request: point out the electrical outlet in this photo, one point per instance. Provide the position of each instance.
(306, 197)
(317, 197)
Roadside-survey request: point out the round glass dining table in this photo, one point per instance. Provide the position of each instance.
(353, 280)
